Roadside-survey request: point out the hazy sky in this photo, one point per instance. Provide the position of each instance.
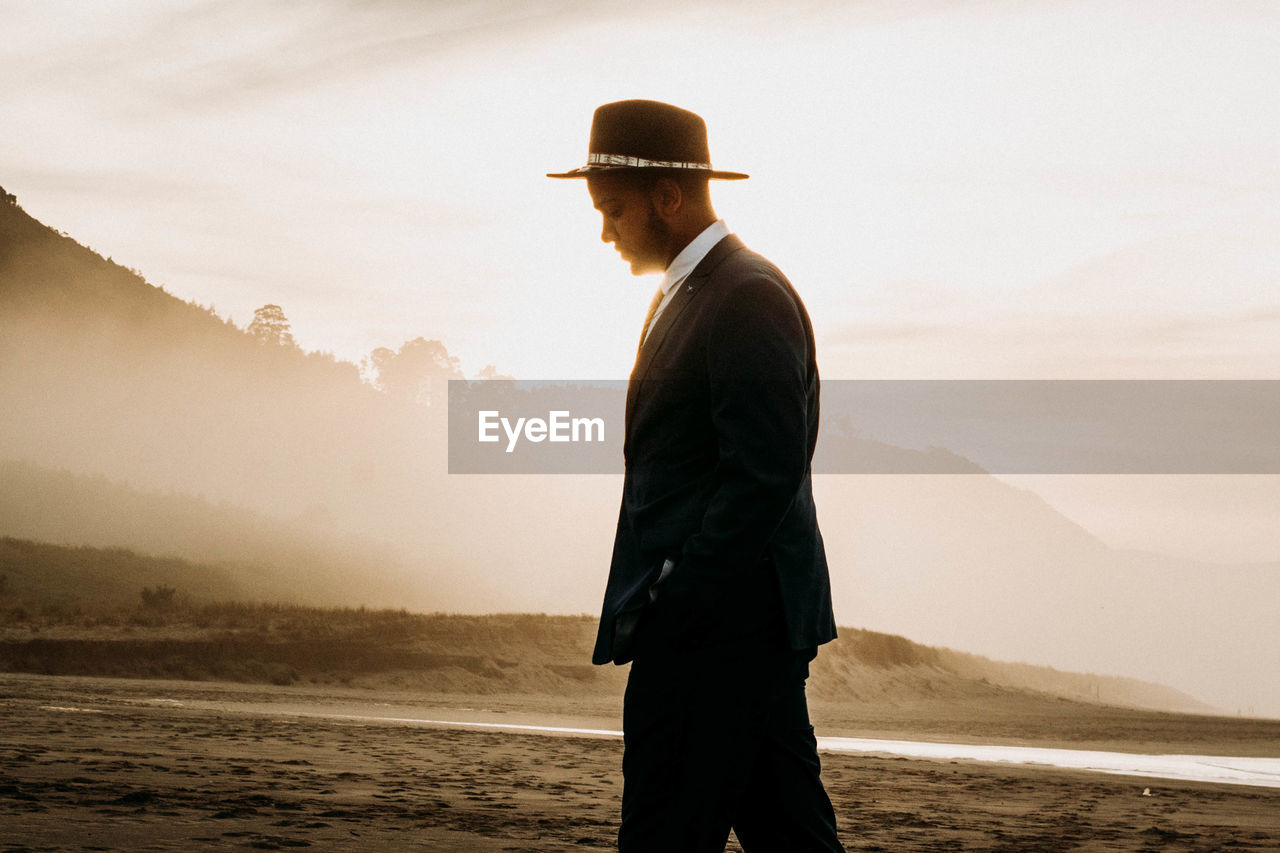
(959, 189)
(1030, 189)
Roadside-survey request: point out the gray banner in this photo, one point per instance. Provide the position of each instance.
(909, 427)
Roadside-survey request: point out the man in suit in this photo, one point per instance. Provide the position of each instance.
(718, 593)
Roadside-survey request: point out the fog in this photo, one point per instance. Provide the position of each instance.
(134, 419)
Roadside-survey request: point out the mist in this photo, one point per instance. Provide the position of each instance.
(135, 419)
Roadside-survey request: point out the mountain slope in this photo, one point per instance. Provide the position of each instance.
(253, 556)
(973, 563)
(104, 374)
(76, 611)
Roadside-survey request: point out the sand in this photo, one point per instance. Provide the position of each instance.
(98, 764)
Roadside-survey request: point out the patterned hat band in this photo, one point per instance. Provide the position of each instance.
(641, 163)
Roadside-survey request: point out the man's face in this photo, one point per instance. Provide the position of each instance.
(631, 222)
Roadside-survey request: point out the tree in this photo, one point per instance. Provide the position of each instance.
(376, 365)
(490, 372)
(271, 328)
(417, 373)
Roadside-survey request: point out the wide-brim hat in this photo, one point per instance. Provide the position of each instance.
(647, 135)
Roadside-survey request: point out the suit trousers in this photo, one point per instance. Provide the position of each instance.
(717, 735)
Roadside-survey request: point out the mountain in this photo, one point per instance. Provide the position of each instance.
(974, 563)
(105, 375)
(210, 551)
(37, 577)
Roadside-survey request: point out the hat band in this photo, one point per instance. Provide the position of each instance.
(640, 162)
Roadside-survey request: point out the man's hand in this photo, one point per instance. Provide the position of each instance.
(667, 565)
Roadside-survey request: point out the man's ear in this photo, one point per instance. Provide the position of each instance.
(667, 198)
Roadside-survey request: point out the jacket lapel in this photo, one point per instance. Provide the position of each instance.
(689, 289)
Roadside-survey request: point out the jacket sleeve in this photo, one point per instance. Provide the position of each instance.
(756, 367)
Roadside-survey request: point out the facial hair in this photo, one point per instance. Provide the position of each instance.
(658, 236)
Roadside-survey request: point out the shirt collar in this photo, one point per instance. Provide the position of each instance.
(691, 255)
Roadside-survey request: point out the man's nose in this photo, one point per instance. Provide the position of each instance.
(607, 234)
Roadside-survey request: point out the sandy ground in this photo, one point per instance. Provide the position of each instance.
(92, 764)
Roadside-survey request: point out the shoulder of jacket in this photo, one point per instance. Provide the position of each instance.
(745, 268)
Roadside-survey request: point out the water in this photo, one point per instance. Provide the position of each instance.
(1194, 768)
(1233, 770)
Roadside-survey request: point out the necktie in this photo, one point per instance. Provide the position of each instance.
(648, 318)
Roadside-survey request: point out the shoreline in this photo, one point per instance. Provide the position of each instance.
(1217, 769)
(1070, 726)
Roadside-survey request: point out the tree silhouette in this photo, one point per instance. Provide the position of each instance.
(271, 328)
(491, 372)
(417, 373)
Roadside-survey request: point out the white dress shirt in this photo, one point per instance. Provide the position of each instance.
(690, 256)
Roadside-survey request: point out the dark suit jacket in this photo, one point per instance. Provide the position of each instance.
(721, 420)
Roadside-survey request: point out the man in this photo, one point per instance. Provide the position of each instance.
(718, 592)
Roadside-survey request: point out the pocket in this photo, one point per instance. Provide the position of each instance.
(679, 618)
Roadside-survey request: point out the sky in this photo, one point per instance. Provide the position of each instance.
(960, 190)
(993, 189)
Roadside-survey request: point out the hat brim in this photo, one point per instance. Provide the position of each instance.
(593, 169)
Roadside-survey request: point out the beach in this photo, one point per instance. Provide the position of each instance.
(102, 764)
